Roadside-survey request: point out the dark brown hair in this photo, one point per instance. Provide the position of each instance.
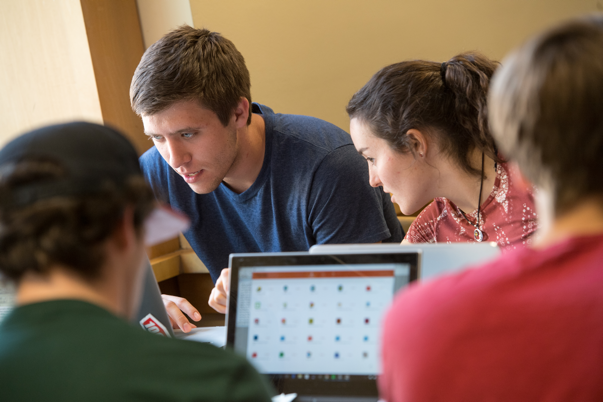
(66, 230)
(191, 64)
(447, 101)
(546, 105)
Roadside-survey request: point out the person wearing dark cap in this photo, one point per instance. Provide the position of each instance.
(250, 179)
(75, 216)
(529, 325)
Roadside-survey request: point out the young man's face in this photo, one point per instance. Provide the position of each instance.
(193, 141)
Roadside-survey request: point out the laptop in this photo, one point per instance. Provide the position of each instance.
(311, 323)
(151, 315)
(436, 259)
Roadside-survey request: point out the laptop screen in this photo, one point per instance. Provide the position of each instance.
(436, 258)
(312, 322)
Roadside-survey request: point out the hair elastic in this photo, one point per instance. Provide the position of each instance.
(443, 68)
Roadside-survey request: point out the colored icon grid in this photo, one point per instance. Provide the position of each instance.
(313, 325)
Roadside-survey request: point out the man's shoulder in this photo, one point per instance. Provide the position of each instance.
(527, 302)
(477, 289)
(205, 368)
(305, 130)
(172, 348)
(151, 159)
(158, 173)
(87, 336)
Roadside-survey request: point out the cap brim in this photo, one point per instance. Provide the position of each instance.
(163, 224)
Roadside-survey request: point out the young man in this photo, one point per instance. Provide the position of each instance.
(249, 179)
(527, 327)
(75, 210)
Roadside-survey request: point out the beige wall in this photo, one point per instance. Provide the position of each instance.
(309, 57)
(67, 60)
(158, 17)
(46, 73)
(305, 57)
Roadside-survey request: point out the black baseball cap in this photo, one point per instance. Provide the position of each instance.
(91, 154)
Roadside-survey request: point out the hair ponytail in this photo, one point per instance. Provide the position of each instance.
(446, 100)
(468, 78)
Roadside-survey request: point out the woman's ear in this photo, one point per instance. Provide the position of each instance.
(418, 142)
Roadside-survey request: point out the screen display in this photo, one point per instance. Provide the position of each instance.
(312, 322)
(315, 319)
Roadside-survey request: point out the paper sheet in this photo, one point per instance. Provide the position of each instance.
(214, 335)
(284, 398)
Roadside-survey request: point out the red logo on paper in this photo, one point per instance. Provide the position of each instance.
(154, 326)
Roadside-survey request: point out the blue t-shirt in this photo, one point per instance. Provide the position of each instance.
(313, 188)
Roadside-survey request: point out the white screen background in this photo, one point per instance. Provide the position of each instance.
(317, 325)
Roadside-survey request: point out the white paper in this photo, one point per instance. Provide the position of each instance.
(214, 335)
(284, 398)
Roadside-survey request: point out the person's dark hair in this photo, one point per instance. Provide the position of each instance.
(444, 100)
(66, 230)
(546, 105)
(191, 64)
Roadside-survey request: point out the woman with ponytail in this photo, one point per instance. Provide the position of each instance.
(423, 128)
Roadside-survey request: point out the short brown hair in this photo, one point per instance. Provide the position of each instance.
(445, 100)
(191, 64)
(66, 230)
(547, 110)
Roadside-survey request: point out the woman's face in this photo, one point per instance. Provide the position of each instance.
(407, 178)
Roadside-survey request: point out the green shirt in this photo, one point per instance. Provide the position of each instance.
(69, 350)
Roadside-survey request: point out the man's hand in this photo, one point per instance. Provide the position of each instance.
(174, 306)
(219, 294)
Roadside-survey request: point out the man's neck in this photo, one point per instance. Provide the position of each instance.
(584, 219)
(60, 283)
(251, 149)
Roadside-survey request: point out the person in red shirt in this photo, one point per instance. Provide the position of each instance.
(423, 128)
(528, 326)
